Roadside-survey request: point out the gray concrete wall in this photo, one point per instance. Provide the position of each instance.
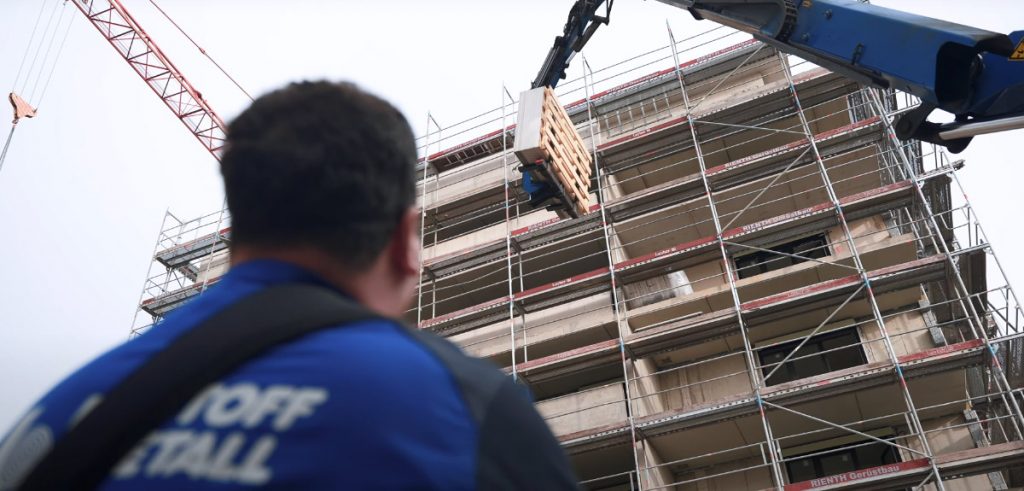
(945, 435)
(541, 326)
(705, 382)
(729, 476)
(586, 409)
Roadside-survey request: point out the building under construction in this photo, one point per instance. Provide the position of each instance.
(770, 289)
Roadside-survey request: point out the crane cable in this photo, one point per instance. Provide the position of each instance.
(35, 28)
(46, 55)
(48, 38)
(3, 154)
(56, 59)
(201, 50)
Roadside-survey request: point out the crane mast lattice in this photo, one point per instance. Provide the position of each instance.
(125, 34)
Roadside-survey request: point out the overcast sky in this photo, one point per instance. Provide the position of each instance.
(86, 183)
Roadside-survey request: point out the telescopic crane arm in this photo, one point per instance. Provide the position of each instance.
(583, 21)
(975, 74)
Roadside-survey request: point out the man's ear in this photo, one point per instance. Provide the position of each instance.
(405, 246)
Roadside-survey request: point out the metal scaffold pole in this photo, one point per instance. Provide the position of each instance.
(617, 304)
(755, 383)
(423, 211)
(135, 329)
(915, 420)
(507, 185)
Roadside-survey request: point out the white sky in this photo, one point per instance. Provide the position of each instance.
(86, 184)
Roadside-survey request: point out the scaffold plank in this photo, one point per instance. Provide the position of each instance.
(180, 254)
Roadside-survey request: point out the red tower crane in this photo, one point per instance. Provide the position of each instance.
(125, 34)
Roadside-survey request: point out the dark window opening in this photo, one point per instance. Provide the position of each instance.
(835, 350)
(812, 247)
(831, 463)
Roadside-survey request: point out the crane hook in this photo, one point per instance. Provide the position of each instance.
(21, 108)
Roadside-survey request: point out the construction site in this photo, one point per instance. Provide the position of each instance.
(768, 290)
(758, 284)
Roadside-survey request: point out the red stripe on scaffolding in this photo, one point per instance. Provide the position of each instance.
(871, 473)
(917, 263)
(799, 292)
(537, 226)
(189, 243)
(551, 221)
(763, 224)
(889, 188)
(555, 284)
(461, 252)
(468, 310)
(809, 74)
(609, 429)
(680, 248)
(197, 286)
(772, 152)
(609, 345)
(944, 350)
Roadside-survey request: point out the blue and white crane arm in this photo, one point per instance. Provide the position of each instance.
(974, 74)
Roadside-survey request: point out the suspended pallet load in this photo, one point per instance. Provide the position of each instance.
(556, 166)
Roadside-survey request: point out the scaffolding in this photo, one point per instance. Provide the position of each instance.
(189, 257)
(771, 291)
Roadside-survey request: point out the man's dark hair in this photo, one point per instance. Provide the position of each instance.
(319, 164)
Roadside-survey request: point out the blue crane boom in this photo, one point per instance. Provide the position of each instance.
(974, 74)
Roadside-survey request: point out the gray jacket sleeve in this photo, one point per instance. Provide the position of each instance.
(515, 449)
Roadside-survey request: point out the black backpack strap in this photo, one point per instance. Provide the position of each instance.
(156, 391)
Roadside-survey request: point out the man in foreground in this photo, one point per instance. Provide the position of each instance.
(319, 179)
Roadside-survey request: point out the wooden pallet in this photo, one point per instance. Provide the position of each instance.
(563, 148)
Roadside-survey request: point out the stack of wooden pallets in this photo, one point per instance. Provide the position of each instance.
(549, 148)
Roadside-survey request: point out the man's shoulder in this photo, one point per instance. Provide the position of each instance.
(479, 380)
(398, 356)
